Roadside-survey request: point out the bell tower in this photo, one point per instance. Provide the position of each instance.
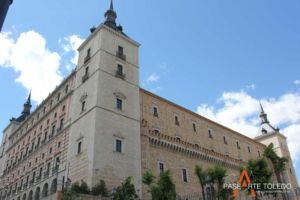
(267, 134)
(104, 139)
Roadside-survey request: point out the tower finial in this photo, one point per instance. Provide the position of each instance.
(263, 115)
(111, 16)
(111, 5)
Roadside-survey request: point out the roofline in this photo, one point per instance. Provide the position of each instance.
(269, 135)
(44, 101)
(197, 115)
(101, 26)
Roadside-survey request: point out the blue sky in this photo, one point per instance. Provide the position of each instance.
(217, 58)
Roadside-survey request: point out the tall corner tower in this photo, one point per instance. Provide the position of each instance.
(104, 139)
(267, 135)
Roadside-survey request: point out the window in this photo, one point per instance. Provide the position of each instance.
(258, 153)
(88, 52)
(225, 139)
(53, 130)
(58, 96)
(120, 50)
(63, 108)
(249, 150)
(176, 120)
(119, 104)
(55, 115)
(86, 75)
(88, 55)
(238, 145)
(79, 147)
(83, 106)
(161, 167)
(61, 126)
(66, 88)
(58, 144)
(184, 175)
(118, 146)
(210, 133)
(50, 150)
(194, 127)
(120, 69)
(155, 111)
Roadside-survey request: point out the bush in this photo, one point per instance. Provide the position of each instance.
(100, 189)
(80, 189)
(126, 191)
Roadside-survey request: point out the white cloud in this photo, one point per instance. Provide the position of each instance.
(71, 44)
(297, 82)
(37, 66)
(250, 87)
(239, 111)
(153, 78)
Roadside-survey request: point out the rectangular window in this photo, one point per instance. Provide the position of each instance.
(238, 145)
(120, 50)
(249, 150)
(119, 104)
(258, 153)
(61, 126)
(120, 69)
(224, 139)
(210, 133)
(79, 147)
(83, 106)
(53, 130)
(155, 111)
(118, 146)
(194, 127)
(176, 120)
(161, 167)
(184, 175)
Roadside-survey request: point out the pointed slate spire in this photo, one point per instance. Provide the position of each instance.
(263, 115)
(27, 105)
(111, 16)
(111, 5)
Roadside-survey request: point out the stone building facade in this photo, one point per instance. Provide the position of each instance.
(99, 124)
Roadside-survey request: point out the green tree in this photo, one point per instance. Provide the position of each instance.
(279, 164)
(214, 176)
(163, 189)
(100, 189)
(126, 191)
(201, 174)
(80, 189)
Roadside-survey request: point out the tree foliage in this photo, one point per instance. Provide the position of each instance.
(214, 176)
(100, 189)
(278, 163)
(126, 191)
(80, 189)
(163, 189)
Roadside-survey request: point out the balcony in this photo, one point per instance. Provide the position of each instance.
(25, 185)
(46, 174)
(120, 74)
(39, 178)
(120, 55)
(55, 170)
(85, 77)
(51, 136)
(31, 182)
